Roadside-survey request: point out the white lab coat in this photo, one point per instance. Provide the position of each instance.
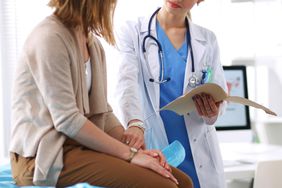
(139, 98)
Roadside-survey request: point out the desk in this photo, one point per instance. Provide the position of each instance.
(240, 159)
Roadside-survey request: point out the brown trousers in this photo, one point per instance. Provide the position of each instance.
(84, 165)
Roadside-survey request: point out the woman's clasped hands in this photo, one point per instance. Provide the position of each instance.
(154, 160)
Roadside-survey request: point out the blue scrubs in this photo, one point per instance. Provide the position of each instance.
(174, 67)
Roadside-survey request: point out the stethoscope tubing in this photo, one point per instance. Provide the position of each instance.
(162, 79)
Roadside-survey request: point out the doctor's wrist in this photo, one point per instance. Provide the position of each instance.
(211, 120)
(139, 124)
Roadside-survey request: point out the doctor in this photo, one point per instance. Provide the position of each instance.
(163, 57)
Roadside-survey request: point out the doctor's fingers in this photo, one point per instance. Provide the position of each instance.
(218, 104)
(137, 143)
(213, 105)
(210, 109)
(199, 105)
(123, 139)
(132, 133)
(206, 100)
(134, 141)
(126, 139)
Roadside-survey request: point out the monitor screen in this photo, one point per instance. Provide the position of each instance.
(236, 116)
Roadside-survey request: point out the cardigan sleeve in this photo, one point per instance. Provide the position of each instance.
(50, 62)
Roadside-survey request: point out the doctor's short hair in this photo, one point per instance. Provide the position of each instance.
(94, 16)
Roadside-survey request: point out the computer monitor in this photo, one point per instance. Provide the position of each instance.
(236, 116)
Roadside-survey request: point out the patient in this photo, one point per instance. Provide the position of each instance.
(64, 129)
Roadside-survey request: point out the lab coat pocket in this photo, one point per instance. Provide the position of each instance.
(155, 136)
(214, 149)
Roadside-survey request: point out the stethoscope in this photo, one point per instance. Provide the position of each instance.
(193, 80)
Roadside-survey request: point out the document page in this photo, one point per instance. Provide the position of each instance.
(184, 104)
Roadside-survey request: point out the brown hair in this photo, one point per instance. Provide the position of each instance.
(94, 16)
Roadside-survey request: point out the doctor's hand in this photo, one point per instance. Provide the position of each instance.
(134, 137)
(154, 160)
(206, 105)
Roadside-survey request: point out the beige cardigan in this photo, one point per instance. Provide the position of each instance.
(50, 99)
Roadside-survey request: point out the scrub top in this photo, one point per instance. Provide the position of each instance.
(174, 67)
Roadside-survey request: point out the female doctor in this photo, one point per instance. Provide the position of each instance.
(163, 57)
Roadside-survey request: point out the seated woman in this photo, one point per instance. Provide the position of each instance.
(64, 129)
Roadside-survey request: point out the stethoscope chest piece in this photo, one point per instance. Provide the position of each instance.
(193, 81)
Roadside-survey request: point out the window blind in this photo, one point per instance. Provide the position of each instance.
(8, 60)
(16, 21)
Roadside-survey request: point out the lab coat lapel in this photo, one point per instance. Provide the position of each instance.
(155, 124)
(151, 63)
(198, 43)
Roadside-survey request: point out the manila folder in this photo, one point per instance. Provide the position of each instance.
(184, 104)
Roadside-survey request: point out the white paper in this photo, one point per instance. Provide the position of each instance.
(184, 104)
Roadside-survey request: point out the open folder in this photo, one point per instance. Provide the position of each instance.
(184, 104)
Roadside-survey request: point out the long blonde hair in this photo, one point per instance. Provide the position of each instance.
(94, 16)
